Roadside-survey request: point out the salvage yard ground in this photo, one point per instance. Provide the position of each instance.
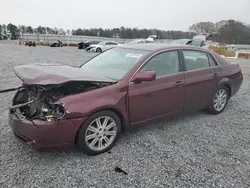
(198, 150)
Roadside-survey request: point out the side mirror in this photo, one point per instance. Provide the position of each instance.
(144, 76)
(190, 42)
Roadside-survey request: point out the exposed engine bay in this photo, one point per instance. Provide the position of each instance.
(39, 102)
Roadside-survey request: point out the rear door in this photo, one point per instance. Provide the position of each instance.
(201, 75)
(164, 95)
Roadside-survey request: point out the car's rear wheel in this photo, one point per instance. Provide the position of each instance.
(220, 100)
(99, 50)
(99, 133)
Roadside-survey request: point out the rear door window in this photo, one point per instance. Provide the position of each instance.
(195, 59)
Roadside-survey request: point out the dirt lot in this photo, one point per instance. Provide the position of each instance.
(199, 150)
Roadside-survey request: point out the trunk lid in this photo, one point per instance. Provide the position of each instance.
(46, 74)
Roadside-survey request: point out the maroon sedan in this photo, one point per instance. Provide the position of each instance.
(88, 107)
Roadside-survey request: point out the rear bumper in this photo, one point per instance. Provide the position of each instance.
(236, 83)
(46, 135)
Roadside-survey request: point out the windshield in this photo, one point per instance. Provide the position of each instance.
(101, 43)
(199, 37)
(197, 42)
(115, 63)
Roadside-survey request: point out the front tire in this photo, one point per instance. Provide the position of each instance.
(219, 101)
(99, 50)
(99, 133)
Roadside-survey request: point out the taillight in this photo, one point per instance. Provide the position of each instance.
(239, 68)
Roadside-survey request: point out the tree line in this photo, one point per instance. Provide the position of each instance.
(225, 31)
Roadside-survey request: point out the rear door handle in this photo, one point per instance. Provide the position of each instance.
(215, 75)
(179, 83)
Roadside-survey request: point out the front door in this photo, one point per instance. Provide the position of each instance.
(202, 74)
(163, 96)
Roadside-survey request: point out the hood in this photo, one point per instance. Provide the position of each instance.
(94, 45)
(46, 74)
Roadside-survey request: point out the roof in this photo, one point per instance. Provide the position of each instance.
(157, 46)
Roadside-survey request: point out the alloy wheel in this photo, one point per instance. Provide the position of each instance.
(101, 133)
(220, 100)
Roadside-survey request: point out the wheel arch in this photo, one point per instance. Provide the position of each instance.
(229, 89)
(120, 115)
(98, 48)
(225, 82)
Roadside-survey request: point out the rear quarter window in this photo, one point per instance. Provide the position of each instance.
(212, 61)
(219, 59)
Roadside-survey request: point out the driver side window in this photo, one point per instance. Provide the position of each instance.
(165, 63)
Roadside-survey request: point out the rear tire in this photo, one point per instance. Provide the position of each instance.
(219, 101)
(99, 133)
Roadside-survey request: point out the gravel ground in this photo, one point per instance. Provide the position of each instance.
(198, 150)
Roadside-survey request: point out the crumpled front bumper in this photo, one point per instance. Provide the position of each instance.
(46, 135)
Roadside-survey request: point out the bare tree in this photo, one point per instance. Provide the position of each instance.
(203, 27)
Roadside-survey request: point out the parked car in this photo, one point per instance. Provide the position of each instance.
(60, 106)
(192, 42)
(137, 41)
(84, 45)
(141, 41)
(30, 43)
(102, 46)
(57, 44)
(150, 39)
(34, 44)
(198, 40)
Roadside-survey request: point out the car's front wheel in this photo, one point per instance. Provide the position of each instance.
(99, 133)
(220, 100)
(98, 50)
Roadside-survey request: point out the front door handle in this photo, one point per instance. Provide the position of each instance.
(179, 83)
(215, 75)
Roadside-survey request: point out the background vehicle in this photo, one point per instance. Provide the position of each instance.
(30, 43)
(57, 44)
(198, 40)
(150, 39)
(84, 45)
(137, 41)
(116, 90)
(102, 46)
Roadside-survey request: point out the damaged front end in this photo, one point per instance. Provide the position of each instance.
(33, 102)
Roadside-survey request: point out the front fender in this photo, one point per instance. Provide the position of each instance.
(92, 49)
(85, 105)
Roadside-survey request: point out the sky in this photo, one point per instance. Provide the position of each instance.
(159, 14)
